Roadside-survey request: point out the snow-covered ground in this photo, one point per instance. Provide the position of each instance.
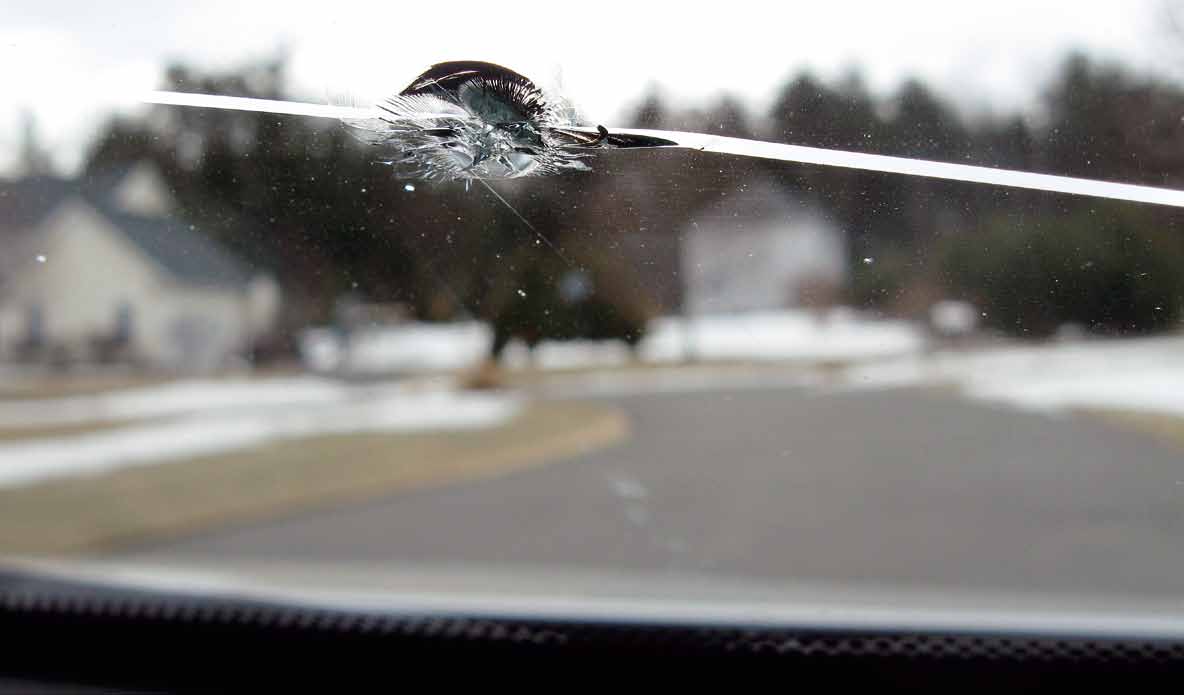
(409, 347)
(1140, 374)
(766, 336)
(789, 335)
(1145, 374)
(190, 418)
(177, 398)
(201, 418)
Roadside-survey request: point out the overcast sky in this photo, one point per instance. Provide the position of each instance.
(71, 63)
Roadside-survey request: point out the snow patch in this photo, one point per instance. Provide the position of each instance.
(1145, 374)
(177, 398)
(791, 335)
(220, 427)
(841, 335)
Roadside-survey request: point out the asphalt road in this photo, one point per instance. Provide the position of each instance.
(918, 488)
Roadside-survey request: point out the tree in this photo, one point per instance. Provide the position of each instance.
(651, 112)
(1102, 121)
(1111, 268)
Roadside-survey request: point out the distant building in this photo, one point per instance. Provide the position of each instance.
(94, 271)
(761, 248)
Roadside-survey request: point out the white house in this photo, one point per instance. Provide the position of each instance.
(759, 248)
(91, 271)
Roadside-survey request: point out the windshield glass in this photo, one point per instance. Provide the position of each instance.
(519, 314)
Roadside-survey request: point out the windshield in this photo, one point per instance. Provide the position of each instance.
(524, 315)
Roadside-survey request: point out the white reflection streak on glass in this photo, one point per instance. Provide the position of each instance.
(747, 148)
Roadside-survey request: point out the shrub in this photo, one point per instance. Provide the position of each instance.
(1108, 268)
(541, 299)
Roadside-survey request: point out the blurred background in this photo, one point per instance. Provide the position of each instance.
(256, 302)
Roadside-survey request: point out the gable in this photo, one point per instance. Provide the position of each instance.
(142, 191)
(183, 254)
(25, 207)
(80, 249)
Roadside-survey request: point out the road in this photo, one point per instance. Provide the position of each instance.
(917, 488)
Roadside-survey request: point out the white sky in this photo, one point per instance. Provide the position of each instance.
(71, 63)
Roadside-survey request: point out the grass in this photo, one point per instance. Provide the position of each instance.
(137, 504)
(15, 434)
(1163, 426)
(66, 385)
(487, 375)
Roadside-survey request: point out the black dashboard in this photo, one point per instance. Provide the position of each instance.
(78, 636)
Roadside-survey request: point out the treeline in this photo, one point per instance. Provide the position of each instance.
(301, 197)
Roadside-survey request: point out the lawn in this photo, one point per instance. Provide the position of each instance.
(1164, 426)
(138, 504)
(66, 384)
(15, 434)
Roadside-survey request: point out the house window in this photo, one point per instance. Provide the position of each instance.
(124, 323)
(34, 326)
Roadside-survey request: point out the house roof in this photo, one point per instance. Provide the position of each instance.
(25, 202)
(187, 254)
(183, 252)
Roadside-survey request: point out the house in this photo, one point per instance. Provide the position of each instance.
(760, 248)
(101, 270)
